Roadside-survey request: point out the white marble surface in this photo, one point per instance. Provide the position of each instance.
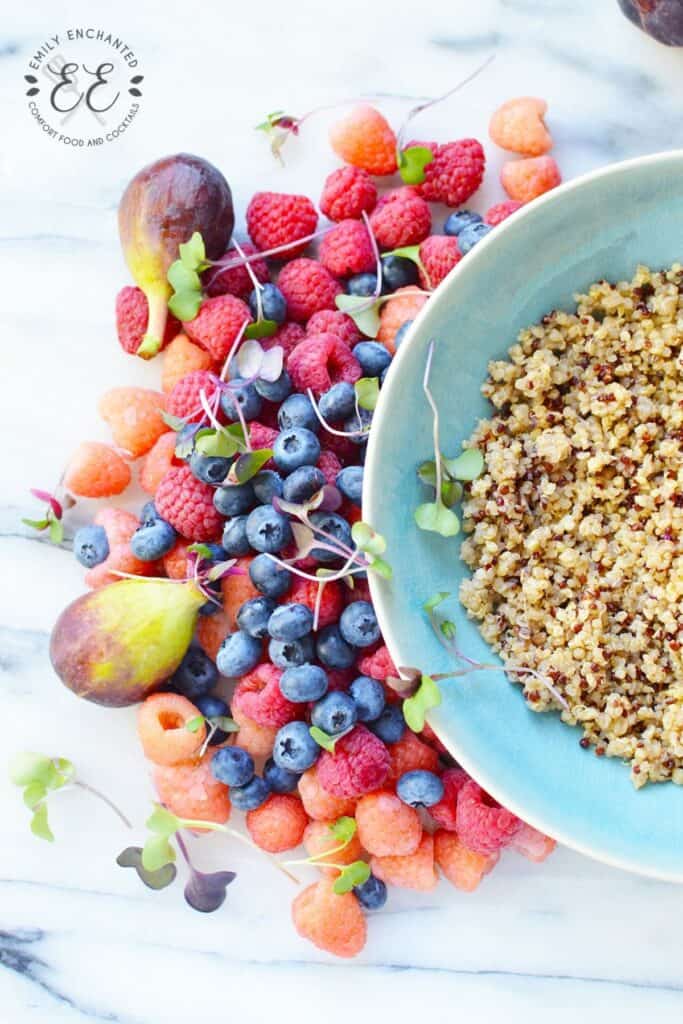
(79, 938)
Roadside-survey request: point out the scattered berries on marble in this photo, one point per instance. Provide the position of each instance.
(365, 139)
(524, 180)
(518, 125)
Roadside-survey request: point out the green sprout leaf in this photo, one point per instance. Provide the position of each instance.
(261, 329)
(195, 724)
(162, 821)
(426, 473)
(434, 517)
(367, 539)
(26, 768)
(451, 492)
(185, 305)
(202, 550)
(352, 875)
(367, 392)
(131, 857)
(174, 422)
(247, 466)
(427, 696)
(433, 602)
(216, 442)
(467, 466)
(224, 723)
(381, 567)
(448, 629)
(182, 278)
(344, 829)
(412, 162)
(39, 824)
(193, 253)
(364, 314)
(33, 794)
(37, 524)
(56, 531)
(323, 739)
(157, 853)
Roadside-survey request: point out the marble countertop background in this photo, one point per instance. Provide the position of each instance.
(81, 940)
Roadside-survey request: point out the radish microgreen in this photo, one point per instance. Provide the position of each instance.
(183, 277)
(367, 392)
(51, 520)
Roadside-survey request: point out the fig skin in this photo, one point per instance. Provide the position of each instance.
(162, 206)
(119, 643)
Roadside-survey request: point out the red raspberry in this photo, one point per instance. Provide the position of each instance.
(275, 218)
(444, 813)
(287, 337)
(346, 249)
(307, 287)
(344, 448)
(187, 504)
(348, 192)
(501, 211)
(360, 591)
(340, 678)
(331, 604)
(321, 360)
(482, 824)
(258, 696)
(329, 465)
(132, 313)
(439, 254)
(236, 280)
(333, 321)
(217, 324)
(401, 217)
(261, 436)
(455, 173)
(377, 665)
(184, 400)
(360, 763)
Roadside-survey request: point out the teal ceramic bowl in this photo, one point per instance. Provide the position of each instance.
(598, 226)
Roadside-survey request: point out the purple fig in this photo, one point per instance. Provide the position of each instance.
(162, 207)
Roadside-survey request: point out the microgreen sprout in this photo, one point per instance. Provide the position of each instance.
(183, 276)
(350, 875)
(204, 891)
(131, 857)
(213, 724)
(324, 739)
(51, 520)
(262, 328)
(231, 262)
(367, 392)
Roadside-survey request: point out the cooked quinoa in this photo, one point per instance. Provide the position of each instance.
(575, 529)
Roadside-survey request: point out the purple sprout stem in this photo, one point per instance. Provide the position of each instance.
(326, 425)
(214, 826)
(258, 287)
(235, 345)
(252, 257)
(314, 579)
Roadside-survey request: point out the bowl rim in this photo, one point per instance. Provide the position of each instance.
(428, 311)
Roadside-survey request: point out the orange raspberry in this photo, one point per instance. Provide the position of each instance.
(416, 871)
(175, 562)
(518, 125)
(180, 358)
(318, 839)
(212, 631)
(403, 305)
(278, 824)
(158, 461)
(462, 867)
(95, 470)
(532, 844)
(365, 139)
(162, 728)
(119, 526)
(410, 753)
(525, 179)
(318, 803)
(190, 790)
(134, 417)
(257, 740)
(237, 589)
(331, 922)
(386, 826)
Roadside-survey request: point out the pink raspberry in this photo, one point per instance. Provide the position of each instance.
(444, 813)
(524, 180)
(377, 665)
(439, 254)
(501, 211)
(307, 287)
(236, 280)
(287, 337)
(187, 504)
(340, 678)
(360, 592)
(329, 465)
(531, 843)
(184, 400)
(331, 603)
(217, 324)
(455, 173)
(261, 436)
(334, 322)
(482, 824)
(258, 696)
(348, 192)
(343, 447)
(276, 218)
(321, 360)
(346, 249)
(401, 217)
(132, 314)
(360, 763)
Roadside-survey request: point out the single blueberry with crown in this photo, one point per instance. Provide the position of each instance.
(368, 696)
(334, 713)
(91, 546)
(268, 530)
(350, 482)
(243, 393)
(338, 403)
(295, 749)
(151, 542)
(268, 577)
(372, 894)
(469, 236)
(372, 356)
(274, 390)
(290, 622)
(291, 653)
(233, 766)
(390, 725)
(210, 469)
(332, 650)
(420, 788)
(267, 485)
(196, 675)
(358, 624)
(235, 539)
(253, 616)
(302, 484)
(251, 796)
(234, 499)
(303, 683)
(279, 779)
(397, 272)
(297, 411)
(459, 220)
(295, 447)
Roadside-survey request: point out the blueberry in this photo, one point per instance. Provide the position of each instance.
(420, 788)
(271, 579)
(253, 616)
(460, 220)
(213, 707)
(238, 654)
(210, 469)
(335, 713)
(279, 779)
(267, 485)
(91, 546)
(297, 411)
(273, 304)
(196, 675)
(291, 653)
(368, 696)
(401, 332)
(469, 236)
(304, 683)
(372, 894)
(233, 766)
(251, 796)
(234, 499)
(390, 725)
(350, 483)
(294, 749)
(338, 403)
(358, 624)
(218, 552)
(332, 649)
(397, 272)
(295, 447)
(274, 390)
(235, 539)
(268, 530)
(151, 542)
(358, 424)
(302, 484)
(246, 395)
(148, 514)
(337, 527)
(372, 356)
(290, 622)
(362, 284)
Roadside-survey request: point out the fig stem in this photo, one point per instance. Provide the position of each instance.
(157, 299)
